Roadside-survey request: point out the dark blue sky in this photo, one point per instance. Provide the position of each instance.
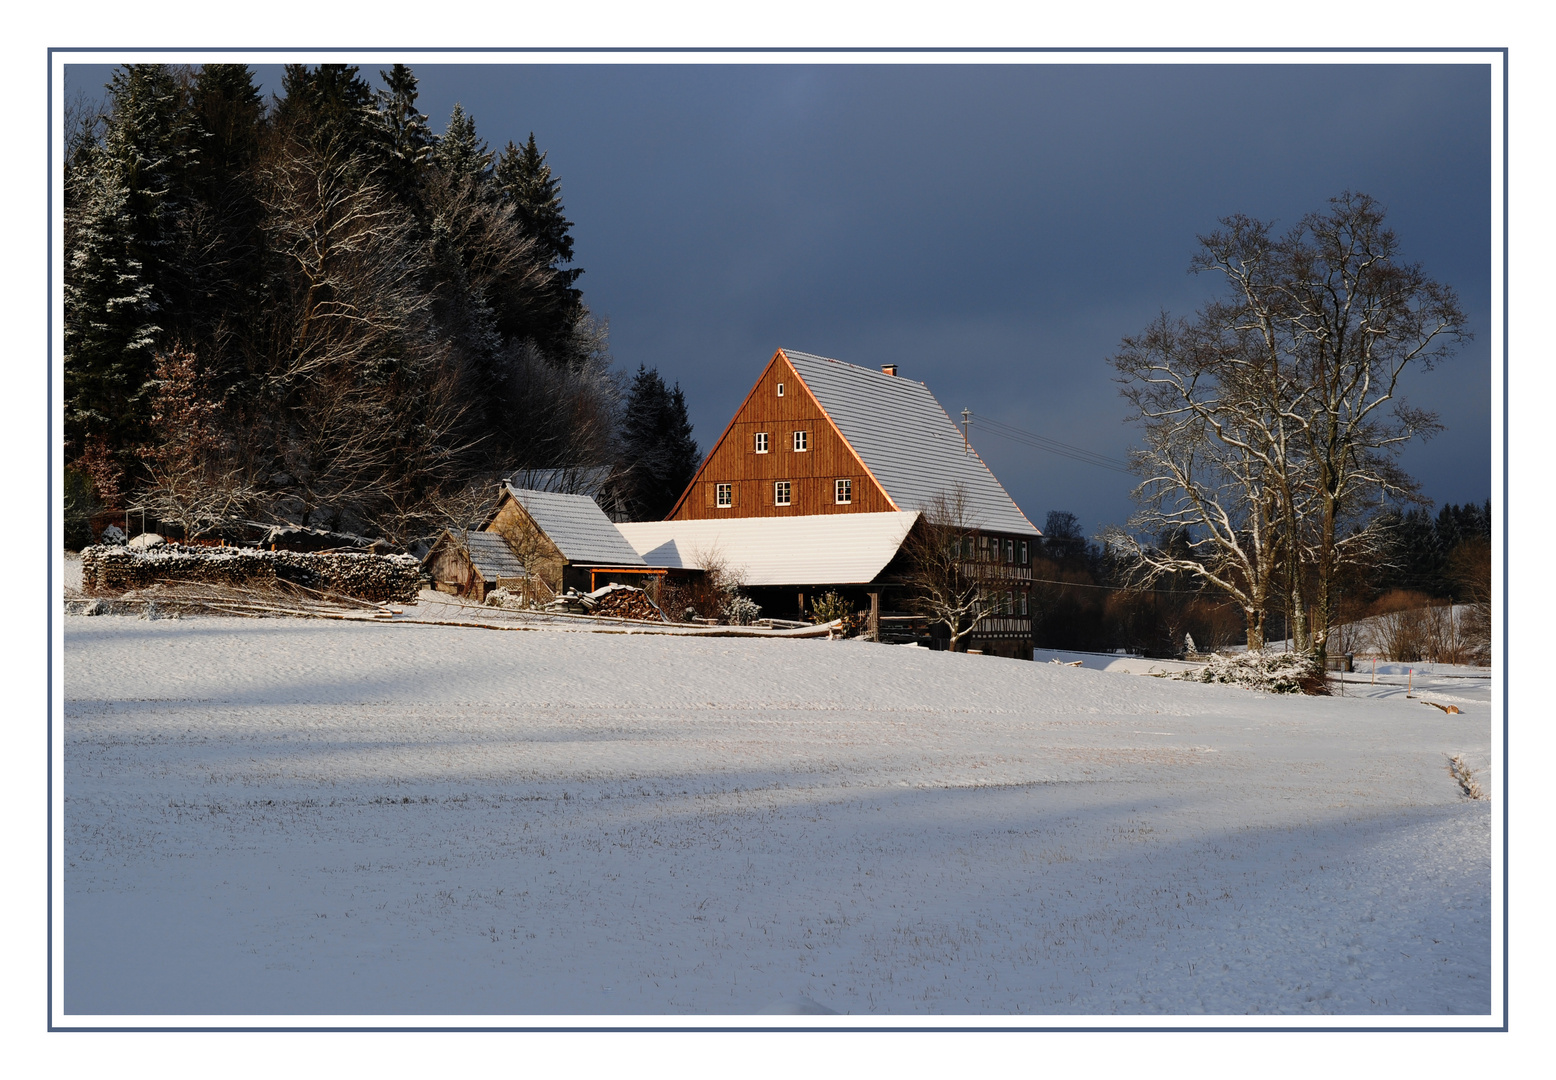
(994, 230)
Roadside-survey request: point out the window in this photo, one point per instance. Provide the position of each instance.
(1022, 597)
(1009, 602)
(845, 491)
(781, 493)
(726, 495)
(1023, 558)
(761, 442)
(780, 389)
(802, 440)
(1010, 551)
(967, 547)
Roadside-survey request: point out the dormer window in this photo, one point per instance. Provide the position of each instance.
(780, 389)
(761, 442)
(802, 440)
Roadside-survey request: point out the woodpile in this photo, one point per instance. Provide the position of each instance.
(112, 570)
(384, 578)
(625, 602)
(611, 601)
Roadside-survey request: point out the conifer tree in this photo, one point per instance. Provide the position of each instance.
(122, 217)
(659, 457)
(460, 152)
(526, 180)
(220, 260)
(398, 132)
(324, 105)
(535, 195)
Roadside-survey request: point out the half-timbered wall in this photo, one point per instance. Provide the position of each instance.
(812, 473)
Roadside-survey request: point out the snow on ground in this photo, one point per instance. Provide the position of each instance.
(295, 816)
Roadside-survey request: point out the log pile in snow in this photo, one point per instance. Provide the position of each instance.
(610, 601)
(624, 602)
(112, 570)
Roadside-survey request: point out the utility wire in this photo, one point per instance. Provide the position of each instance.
(1110, 588)
(1043, 442)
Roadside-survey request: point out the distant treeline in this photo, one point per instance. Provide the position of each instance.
(314, 310)
(1084, 596)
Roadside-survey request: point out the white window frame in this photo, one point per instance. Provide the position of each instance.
(780, 389)
(1023, 598)
(1023, 553)
(782, 493)
(761, 442)
(723, 496)
(843, 491)
(1010, 551)
(801, 441)
(1010, 603)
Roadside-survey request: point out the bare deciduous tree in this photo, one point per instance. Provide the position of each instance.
(1273, 421)
(1215, 467)
(193, 480)
(941, 569)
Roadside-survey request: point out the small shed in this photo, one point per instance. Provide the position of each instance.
(473, 564)
(569, 541)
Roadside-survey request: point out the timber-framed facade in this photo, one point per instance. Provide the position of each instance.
(816, 437)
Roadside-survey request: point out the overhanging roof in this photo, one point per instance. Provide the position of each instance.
(578, 527)
(818, 549)
(907, 441)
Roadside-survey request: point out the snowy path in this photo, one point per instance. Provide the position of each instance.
(294, 816)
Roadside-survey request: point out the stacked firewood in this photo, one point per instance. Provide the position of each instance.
(111, 569)
(385, 578)
(625, 602)
(611, 601)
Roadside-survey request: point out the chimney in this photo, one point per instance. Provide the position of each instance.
(890, 369)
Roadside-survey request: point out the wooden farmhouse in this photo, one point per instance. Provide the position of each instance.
(816, 482)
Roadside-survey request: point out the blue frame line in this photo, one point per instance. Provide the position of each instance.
(53, 555)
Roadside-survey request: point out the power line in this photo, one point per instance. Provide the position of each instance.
(1112, 588)
(1043, 442)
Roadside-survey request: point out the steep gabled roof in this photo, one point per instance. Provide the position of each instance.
(578, 527)
(491, 555)
(816, 549)
(907, 441)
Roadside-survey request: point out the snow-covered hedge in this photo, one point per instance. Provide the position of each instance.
(385, 578)
(1273, 673)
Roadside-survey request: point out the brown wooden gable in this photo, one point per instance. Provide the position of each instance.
(812, 473)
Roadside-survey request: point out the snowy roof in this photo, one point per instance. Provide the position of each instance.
(816, 549)
(907, 440)
(491, 555)
(578, 527)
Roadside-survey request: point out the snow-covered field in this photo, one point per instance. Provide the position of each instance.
(294, 816)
